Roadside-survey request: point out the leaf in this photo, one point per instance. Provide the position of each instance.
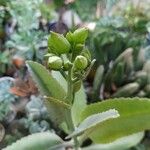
(47, 84)
(79, 101)
(2, 132)
(60, 79)
(79, 105)
(50, 87)
(123, 143)
(62, 107)
(37, 141)
(127, 90)
(93, 121)
(58, 102)
(98, 81)
(134, 117)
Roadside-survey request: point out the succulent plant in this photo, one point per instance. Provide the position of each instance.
(125, 78)
(122, 53)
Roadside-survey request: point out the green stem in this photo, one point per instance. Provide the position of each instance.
(63, 74)
(70, 96)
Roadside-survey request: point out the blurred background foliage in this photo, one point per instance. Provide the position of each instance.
(119, 40)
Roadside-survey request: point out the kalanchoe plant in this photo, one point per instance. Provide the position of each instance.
(112, 121)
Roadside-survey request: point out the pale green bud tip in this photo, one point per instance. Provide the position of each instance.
(46, 56)
(58, 44)
(80, 62)
(80, 35)
(69, 36)
(55, 62)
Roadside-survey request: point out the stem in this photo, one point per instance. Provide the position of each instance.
(63, 74)
(70, 97)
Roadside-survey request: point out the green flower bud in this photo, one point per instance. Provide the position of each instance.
(58, 44)
(67, 65)
(55, 62)
(80, 35)
(79, 47)
(69, 37)
(80, 62)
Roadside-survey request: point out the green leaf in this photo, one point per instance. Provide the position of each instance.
(57, 109)
(127, 90)
(37, 141)
(93, 121)
(49, 87)
(58, 102)
(60, 79)
(98, 81)
(78, 105)
(123, 143)
(47, 84)
(79, 101)
(2, 132)
(134, 117)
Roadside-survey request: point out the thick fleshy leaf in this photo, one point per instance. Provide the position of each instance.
(38, 141)
(123, 143)
(49, 87)
(91, 122)
(134, 117)
(98, 81)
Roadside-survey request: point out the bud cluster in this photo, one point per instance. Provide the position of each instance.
(72, 46)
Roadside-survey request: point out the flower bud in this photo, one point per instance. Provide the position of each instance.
(79, 47)
(58, 44)
(55, 62)
(80, 62)
(80, 35)
(69, 37)
(67, 65)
